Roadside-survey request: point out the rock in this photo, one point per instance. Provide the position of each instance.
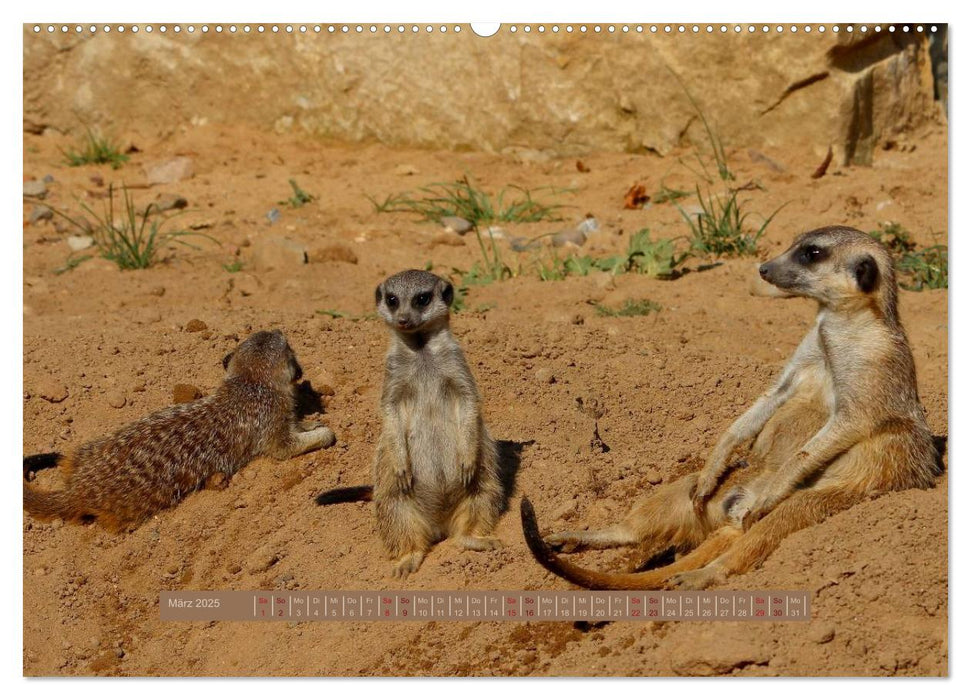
(273, 215)
(52, 391)
(565, 510)
(456, 224)
(544, 375)
(157, 291)
(653, 477)
(592, 97)
(588, 225)
(333, 252)
(405, 169)
(277, 253)
(40, 213)
(35, 188)
(521, 244)
(168, 202)
(712, 655)
(195, 325)
(116, 398)
(262, 560)
(494, 232)
(164, 172)
(447, 238)
(79, 243)
(570, 236)
(821, 631)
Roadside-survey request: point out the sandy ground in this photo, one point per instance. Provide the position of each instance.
(96, 338)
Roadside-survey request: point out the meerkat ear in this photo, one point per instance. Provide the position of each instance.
(867, 273)
(227, 359)
(296, 371)
(448, 293)
(377, 295)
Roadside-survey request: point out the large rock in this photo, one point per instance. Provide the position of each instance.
(553, 93)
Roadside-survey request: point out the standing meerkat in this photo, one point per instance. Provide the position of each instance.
(841, 423)
(152, 464)
(436, 469)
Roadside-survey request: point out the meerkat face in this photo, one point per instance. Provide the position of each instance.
(266, 356)
(834, 265)
(414, 300)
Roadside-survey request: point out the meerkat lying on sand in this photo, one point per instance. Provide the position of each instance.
(436, 471)
(842, 422)
(152, 464)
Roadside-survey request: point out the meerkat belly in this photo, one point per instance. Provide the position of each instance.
(433, 445)
(796, 421)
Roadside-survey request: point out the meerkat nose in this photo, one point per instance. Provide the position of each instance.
(763, 270)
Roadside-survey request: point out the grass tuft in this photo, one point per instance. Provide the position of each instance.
(718, 228)
(299, 198)
(132, 240)
(95, 149)
(919, 268)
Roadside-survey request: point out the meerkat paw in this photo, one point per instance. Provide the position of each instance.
(565, 542)
(217, 481)
(408, 564)
(404, 480)
(702, 491)
(698, 579)
(759, 509)
(477, 543)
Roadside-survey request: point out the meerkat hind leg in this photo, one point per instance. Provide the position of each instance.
(800, 510)
(618, 535)
(472, 522)
(408, 564)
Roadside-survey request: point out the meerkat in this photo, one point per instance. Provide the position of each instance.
(122, 479)
(436, 468)
(841, 423)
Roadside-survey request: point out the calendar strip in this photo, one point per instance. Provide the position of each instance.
(530, 606)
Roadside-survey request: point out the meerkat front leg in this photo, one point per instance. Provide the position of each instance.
(468, 442)
(838, 435)
(297, 442)
(396, 425)
(750, 424)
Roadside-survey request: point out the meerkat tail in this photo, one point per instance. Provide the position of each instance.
(350, 494)
(46, 460)
(587, 578)
(49, 505)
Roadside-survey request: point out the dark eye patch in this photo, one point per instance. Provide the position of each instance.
(392, 301)
(811, 254)
(422, 300)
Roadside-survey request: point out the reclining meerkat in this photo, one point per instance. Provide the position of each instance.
(842, 422)
(152, 464)
(436, 468)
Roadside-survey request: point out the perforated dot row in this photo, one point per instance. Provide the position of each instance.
(514, 28)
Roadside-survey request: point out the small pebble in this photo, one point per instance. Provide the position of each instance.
(544, 375)
(456, 224)
(116, 398)
(821, 632)
(52, 391)
(195, 325)
(273, 215)
(570, 236)
(79, 243)
(41, 213)
(35, 188)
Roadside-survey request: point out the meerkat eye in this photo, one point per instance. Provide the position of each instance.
(422, 300)
(392, 301)
(811, 254)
